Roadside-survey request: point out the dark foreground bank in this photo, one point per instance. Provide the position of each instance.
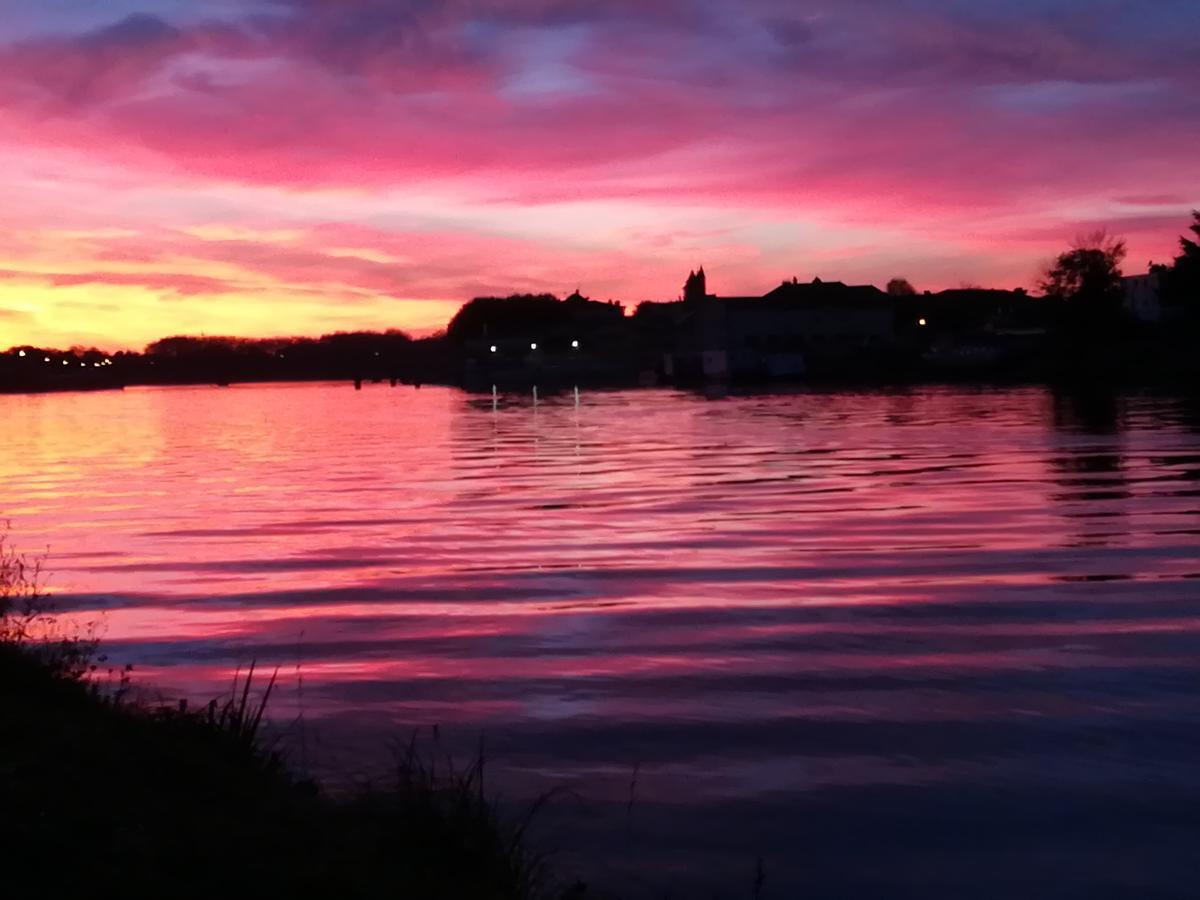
(103, 797)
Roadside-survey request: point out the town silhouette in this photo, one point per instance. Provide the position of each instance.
(1088, 321)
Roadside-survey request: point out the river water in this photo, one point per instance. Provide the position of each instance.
(930, 642)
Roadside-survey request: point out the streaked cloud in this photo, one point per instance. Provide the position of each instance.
(323, 160)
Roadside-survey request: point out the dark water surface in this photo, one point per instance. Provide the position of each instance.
(939, 642)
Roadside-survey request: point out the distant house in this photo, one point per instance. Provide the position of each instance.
(787, 332)
(969, 312)
(970, 329)
(591, 318)
(1142, 297)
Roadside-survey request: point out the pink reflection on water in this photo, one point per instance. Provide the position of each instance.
(645, 562)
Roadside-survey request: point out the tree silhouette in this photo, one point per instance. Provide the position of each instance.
(1182, 281)
(1086, 280)
(901, 287)
(520, 315)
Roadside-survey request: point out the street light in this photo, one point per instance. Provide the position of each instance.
(493, 348)
(922, 322)
(533, 346)
(20, 353)
(575, 344)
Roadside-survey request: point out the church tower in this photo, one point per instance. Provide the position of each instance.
(696, 287)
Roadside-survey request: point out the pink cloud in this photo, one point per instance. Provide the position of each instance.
(978, 142)
(160, 281)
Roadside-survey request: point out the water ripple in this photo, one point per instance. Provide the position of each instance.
(943, 641)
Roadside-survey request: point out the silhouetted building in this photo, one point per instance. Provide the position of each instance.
(969, 311)
(1143, 299)
(790, 331)
(696, 287)
(970, 329)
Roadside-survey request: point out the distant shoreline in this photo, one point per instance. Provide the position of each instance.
(1158, 358)
(796, 334)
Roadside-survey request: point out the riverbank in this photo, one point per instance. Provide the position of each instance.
(107, 797)
(1152, 360)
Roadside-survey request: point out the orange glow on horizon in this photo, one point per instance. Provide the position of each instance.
(142, 201)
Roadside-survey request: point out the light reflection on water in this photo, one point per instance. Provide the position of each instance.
(892, 643)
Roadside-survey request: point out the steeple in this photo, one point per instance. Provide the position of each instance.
(696, 287)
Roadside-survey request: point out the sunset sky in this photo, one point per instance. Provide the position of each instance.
(260, 167)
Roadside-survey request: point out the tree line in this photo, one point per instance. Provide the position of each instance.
(1083, 303)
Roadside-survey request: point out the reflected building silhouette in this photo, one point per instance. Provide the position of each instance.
(1093, 409)
(1186, 411)
(1088, 464)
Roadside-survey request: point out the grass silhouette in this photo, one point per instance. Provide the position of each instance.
(105, 796)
